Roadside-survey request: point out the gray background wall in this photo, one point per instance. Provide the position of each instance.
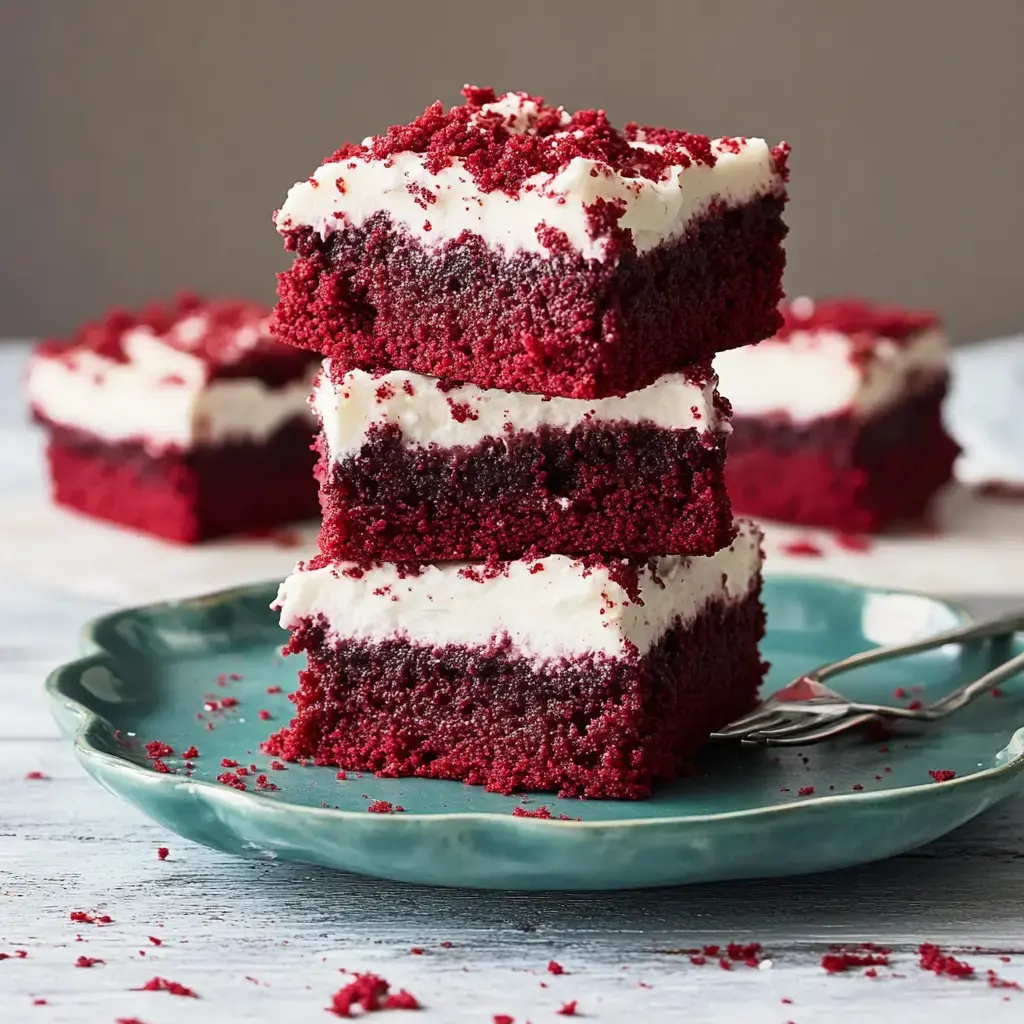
(145, 143)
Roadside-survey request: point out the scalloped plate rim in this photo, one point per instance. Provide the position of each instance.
(90, 756)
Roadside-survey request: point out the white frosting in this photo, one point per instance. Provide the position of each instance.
(655, 211)
(813, 374)
(159, 397)
(349, 408)
(562, 611)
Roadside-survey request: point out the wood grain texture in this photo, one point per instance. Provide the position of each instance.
(260, 942)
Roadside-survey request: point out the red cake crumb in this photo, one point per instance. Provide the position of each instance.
(567, 1009)
(155, 940)
(853, 542)
(227, 762)
(157, 749)
(81, 917)
(228, 702)
(35, 776)
(227, 779)
(932, 958)
(942, 774)
(748, 953)
(190, 754)
(88, 961)
(163, 853)
(803, 548)
(264, 714)
(175, 988)
(522, 812)
(554, 967)
(446, 944)
(370, 993)
(805, 791)
(417, 951)
(162, 767)
(995, 981)
(380, 807)
(401, 1000)
(263, 783)
(503, 1018)
(843, 960)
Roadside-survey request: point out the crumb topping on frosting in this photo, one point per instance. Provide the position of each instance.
(854, 317)
(505, 140)
(223, 334)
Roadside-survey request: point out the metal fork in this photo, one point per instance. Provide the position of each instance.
(806, 711)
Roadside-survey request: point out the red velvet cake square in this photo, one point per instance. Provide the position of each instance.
(412, 469)
(596, 677)
(837, 419)
(186, 421)
(512, 245)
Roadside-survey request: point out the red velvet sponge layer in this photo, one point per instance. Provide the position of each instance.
(842, 473)
(590, 726)
(374, 297)
(210, 491)
(625, 490)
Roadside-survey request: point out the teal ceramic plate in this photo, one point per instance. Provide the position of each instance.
(149, 672)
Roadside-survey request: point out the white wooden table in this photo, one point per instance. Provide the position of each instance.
(265, 942)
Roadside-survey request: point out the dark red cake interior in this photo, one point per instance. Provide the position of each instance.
(206, 492)
(626, 489)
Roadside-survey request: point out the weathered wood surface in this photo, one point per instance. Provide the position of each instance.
(264, 942)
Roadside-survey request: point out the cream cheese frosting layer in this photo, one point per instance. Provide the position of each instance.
(548, 608)
(438, 206)
(814, 374)
(429, 414)
(159, 396)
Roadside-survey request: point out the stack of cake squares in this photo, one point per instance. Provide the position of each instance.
(529, 576)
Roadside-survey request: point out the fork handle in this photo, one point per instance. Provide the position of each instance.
(1002, 626)
(953, 701)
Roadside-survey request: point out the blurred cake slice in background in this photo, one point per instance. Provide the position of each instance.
(837, 420)
(187, 421)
